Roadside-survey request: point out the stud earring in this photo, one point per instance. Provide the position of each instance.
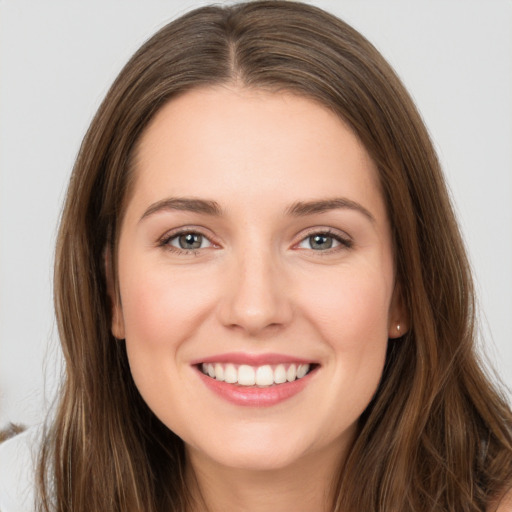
(398, 328)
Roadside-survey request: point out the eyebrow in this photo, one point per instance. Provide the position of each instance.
(303, 208)
(297, 209)
(184, 204)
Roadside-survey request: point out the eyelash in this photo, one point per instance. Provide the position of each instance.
(164, 242)
(344, 243)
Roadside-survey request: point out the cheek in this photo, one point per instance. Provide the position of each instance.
(351, 314)
(351, 310)
(160, 305)
(161, 309)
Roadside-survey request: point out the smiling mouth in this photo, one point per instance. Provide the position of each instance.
(256, 376)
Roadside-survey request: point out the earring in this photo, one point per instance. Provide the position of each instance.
(398, 328)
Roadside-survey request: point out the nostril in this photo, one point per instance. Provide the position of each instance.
(255, 304)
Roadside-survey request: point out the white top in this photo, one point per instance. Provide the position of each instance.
(18, 457)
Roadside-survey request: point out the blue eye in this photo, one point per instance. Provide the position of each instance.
(323, 242)
(188, 241)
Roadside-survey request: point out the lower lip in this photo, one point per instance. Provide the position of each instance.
(250, 396)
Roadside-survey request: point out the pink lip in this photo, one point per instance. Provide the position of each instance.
(252, 359)
(255, 396)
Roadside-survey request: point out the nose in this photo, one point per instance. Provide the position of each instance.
(255, 298)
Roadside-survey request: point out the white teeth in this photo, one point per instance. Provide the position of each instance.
(291, 374)
(280, 374)
(245, 375)
(302, 370)
(264, 376)
(219, 372)
(230, 374)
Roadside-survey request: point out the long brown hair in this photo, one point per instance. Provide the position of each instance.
(436, 436)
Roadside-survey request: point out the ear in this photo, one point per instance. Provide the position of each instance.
(117, 326)
(398, 319)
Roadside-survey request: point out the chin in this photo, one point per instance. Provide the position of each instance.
(254, 458)
(259, 447)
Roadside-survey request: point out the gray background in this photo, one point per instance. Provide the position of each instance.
(57, 59)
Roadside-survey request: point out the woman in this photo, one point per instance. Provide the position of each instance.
(261, 291)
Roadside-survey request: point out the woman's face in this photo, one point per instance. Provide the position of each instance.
(256, 277)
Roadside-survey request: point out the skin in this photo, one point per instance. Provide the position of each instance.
(502, 504)
(256, 286)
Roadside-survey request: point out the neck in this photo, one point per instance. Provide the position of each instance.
(302, 487)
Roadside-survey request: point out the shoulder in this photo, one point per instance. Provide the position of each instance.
(18, 457)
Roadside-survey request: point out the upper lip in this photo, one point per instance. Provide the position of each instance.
(253, 359)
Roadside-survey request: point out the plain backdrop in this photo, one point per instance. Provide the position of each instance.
(57, 59)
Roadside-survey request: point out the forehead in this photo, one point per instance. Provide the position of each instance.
(237, 142)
